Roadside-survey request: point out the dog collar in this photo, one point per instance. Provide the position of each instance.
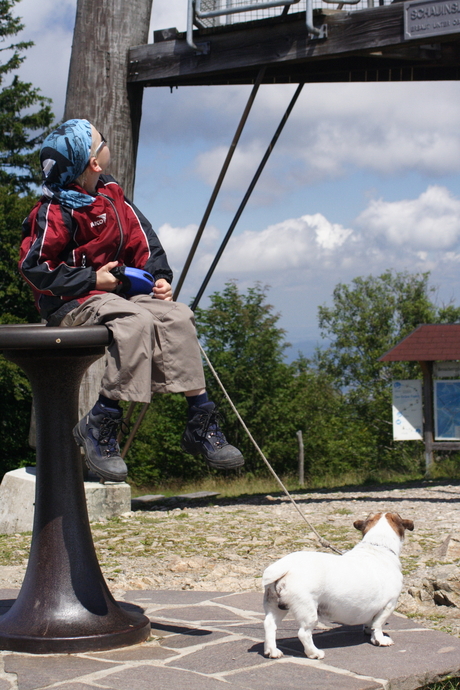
(382, 546)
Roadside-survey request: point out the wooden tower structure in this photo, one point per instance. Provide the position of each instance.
(112, 63)
(402, 41)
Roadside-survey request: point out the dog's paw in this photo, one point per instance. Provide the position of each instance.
(381, 640)
(273, 653)
(317, 654)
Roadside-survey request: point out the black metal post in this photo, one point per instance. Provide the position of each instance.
(64, 604)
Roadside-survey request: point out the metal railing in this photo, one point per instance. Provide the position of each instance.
(207, 13)
(199, 10)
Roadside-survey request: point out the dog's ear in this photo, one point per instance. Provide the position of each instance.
(408, 524)
(359, 524)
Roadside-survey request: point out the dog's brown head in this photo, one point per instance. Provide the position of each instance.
(395, 521)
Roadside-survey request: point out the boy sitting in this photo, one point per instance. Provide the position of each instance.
(74, 237)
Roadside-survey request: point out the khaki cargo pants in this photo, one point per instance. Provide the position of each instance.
(154, 346)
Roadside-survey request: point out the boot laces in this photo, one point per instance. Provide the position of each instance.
(212, 430)
(108, 432)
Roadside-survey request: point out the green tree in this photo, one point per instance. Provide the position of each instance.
(17, 306)
(25, 118)
(368, 317)
(245, 346)
(16, 300)
(240, 333)
(25, 115)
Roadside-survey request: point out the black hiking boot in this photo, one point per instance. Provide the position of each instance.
(203, 436)
(97, 434)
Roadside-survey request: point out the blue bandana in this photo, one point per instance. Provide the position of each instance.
(63, 157)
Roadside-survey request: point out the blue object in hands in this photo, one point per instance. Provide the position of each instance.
(133, 281)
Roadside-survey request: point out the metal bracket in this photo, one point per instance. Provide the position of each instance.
(322, 33)
(203, 48)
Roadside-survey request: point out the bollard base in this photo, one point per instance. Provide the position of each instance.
(137, 630)
(64, 605)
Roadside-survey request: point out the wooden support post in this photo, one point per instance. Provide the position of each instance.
(97, 85)
(428, 417)
(97, 90)
(301, 459)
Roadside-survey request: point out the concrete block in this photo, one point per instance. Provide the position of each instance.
(17, 500)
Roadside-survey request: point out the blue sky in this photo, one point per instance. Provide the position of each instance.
(364, 178)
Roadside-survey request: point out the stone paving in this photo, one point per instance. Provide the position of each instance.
(214, 641)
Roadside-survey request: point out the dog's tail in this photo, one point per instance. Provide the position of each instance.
(274, 595)
(274, 572)
(273, 580)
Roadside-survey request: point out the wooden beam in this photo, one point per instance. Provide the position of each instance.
(96, 88)
(365, 45)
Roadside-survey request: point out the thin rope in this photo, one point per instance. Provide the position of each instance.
(321, 539)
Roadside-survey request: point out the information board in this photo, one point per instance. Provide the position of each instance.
(447, 410)
(407, 410)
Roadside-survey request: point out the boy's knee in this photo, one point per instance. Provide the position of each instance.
(185, 311)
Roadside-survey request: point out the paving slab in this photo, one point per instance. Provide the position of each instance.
(189, 638)
(73, 686)
(148, 678)
(149, 651)
(5, 685)
(214, 641)
(38, 671)
(289, 676)
(199, 612)
(170, 597)
(226, 656)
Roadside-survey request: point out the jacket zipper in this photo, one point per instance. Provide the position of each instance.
(119, 224)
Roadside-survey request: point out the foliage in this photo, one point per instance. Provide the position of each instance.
(369, 317)
(25, 118)
(15, 295)
(448, 684)
(244, 344)
(155, 453)
(16, 307)
(22, 129)
(240, 334)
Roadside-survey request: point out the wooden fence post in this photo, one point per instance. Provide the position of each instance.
(301, 459)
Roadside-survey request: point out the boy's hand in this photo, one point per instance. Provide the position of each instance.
(163, 290)
(104, 279)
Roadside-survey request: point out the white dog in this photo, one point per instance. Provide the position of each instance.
(361, 586)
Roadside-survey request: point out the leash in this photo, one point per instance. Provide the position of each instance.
(321, 539)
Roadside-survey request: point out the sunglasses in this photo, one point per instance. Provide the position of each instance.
(101, 145)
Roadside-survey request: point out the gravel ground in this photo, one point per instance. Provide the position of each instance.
(225, 544)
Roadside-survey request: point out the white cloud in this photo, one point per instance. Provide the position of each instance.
(243, 166)
(50, 26)
(430, 222)
(388, 128)
(41, 15)
(177, 242)
(402, 131)
(295, 243)
(385, 128)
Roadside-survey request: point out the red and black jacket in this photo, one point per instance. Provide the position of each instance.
(62, 248)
